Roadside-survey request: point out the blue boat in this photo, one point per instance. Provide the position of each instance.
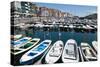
(20, 42)
(30, 44)
(35, 53)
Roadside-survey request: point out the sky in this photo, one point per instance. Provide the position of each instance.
(77, 10)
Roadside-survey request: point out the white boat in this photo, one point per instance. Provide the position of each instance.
(18, 43)
(84, 27)
(88, 52)
(55, 52)
(89, 27)
(16, 37)
(70, 52)
(35, 53)
(25, 47)
(81, 59)
(71, 26)
(95, 46)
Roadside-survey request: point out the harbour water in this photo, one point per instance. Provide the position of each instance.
(56, 34)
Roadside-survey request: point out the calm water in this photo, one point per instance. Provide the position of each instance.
(62, 35)
(55, 35)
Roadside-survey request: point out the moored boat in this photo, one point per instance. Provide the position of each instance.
(95, 46)
(55, 52)
(16, 37)
(35, 53)
(70, 52)
(87, 52)
(18, 43)
(81, 59)
(25, 47)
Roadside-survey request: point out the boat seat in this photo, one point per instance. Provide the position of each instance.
(70, 53)
(31, 54)
(55, 52)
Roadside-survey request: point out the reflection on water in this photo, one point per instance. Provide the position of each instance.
(55, 35)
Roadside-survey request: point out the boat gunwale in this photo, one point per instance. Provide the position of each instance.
(22, 50)
(77, 55)
(90, 48)
(39, 53)
(61, 42)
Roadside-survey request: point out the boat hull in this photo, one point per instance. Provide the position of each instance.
(32, 61)
(36, 53)
(23, 50)
(53, 57)
(93, 56)
(73, 55)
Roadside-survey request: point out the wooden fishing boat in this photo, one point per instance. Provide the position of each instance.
(88, 52)
(30, 44)
(35, 53)
(55, 52)
(70, 52)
